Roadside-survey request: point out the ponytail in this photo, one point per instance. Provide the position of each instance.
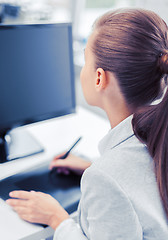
(150, 125)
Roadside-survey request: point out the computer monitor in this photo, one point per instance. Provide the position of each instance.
(36, 75)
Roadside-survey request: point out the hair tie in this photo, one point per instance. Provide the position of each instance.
(163, 62)
(161, 54)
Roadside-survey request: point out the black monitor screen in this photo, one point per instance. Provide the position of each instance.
(36, 73)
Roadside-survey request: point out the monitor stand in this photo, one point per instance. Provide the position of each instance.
(18, 143)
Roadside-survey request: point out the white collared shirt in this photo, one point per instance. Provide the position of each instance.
(120, 198)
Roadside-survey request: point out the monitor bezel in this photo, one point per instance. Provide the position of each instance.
(47, 116)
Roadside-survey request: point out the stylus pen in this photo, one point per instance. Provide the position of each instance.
(68, 152)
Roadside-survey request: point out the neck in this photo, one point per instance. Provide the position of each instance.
(117, 115)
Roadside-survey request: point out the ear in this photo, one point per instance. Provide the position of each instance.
(101, 79)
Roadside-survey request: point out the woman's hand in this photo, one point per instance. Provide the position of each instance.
(71, 163)
(37, 207)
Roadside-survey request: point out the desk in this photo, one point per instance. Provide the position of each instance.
(56, 135)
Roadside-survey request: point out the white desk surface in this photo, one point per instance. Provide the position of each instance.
(55, 135)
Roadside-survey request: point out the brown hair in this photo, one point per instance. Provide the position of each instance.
(133, 44)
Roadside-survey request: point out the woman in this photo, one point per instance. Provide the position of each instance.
(125, 192)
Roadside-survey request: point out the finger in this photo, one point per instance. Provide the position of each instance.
(27, 217)
(59, 163)
(20, 210)
(16, 202)
(58, 170)
(32, 191)
(24, 217)
(59, 156)
(65, 171)
(52, 163)
(42, 194)
(24, 214)
(21, 194)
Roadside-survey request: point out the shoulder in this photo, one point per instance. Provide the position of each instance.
(131, 154)
(129, 164)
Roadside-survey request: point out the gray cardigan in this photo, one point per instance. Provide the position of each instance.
(120, 198)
